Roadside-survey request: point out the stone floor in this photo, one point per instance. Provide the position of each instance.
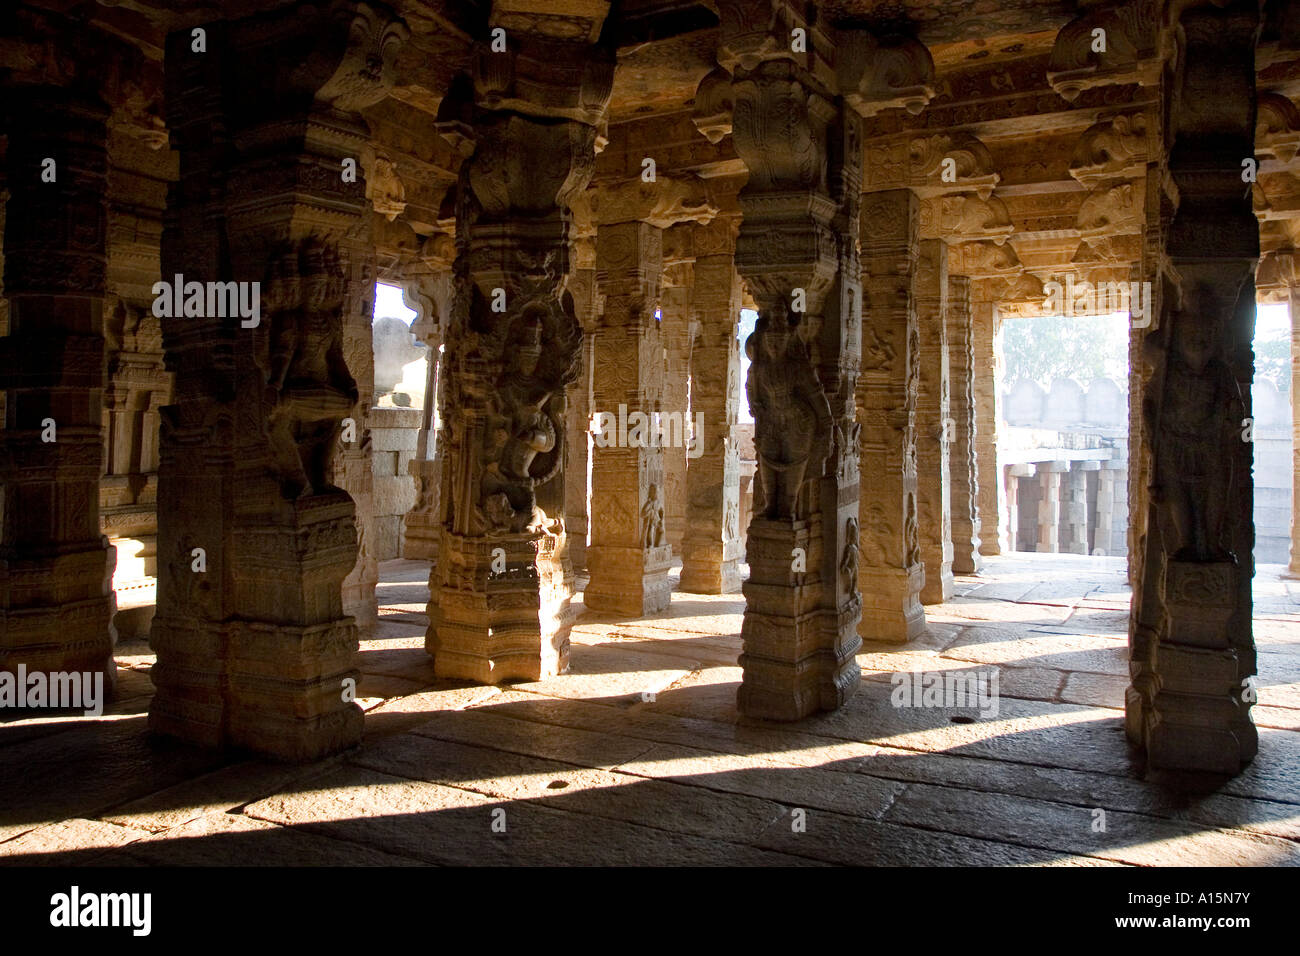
(638, 755)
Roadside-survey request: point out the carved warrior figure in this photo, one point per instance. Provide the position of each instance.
(1192, 478)
(523, 440)
(309, 388)
(791, 414)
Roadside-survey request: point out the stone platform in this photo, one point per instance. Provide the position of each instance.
(638, 755)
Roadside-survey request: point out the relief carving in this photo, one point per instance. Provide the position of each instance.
(792, 416)
(308, 386)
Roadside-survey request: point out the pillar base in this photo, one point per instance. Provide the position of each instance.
(1193, 715)
(279, 681)
(938, 586)
(488, 626)
(628, 581)
(705, 574)
(50, 624)
(891, 604)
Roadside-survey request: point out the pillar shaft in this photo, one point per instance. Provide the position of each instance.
(56, 602)
(675, 306)
(577, 522)
(1192, 651)
(1049, 506)
(629, 556)
(891, 573)
(962, 460)
(1074, 511)
(983, 336)
(712, 547)
(935, 427)
(1294, 310)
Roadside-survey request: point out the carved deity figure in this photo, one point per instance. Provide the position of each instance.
(523, 437)
(792, 417)
(652, 519)
(1192, 428)
(309, 387)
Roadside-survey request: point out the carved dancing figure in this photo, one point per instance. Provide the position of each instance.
(792, 416)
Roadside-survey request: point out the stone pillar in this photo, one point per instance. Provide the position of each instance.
(983, 337)
(1049, 505)
(1293, 306)
(1105, 510)
(677, 329)
(935, 427)
(500, 593)
(1074, 509)
(255, 649)
(582, 283)
(797, 252)
(629, 556)
(1192, 651)
(891, 574)
(1013, 476)
(713, 546)
(56, 598)
(962, 462)
(430, 298)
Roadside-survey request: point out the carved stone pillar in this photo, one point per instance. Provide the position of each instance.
(430, 298)
(1192, 651)
(1074, 509)
(934, 424)
(797, 252)
(255, 537)
(713, 546)
(1293, 306)
(891, 574)
(629, 556)
(582, 283)
(499, 594)
(1013, 475)
(1049, 506)
(56, 600)
(962, 460)
(678, 332)
(983, 338)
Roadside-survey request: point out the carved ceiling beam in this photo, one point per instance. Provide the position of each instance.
(936, 164)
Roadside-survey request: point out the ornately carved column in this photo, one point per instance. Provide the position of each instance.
(934, 425)
(56, 600)
(255, 649)
(962, 464)
(430, 298)
(1293, 307)
(713, 545)
(983, 338)
(797, 252)
(891, 574)
(629, 556)
(1192, 652)
(582, 283)
(677, 327)
(499, 594)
